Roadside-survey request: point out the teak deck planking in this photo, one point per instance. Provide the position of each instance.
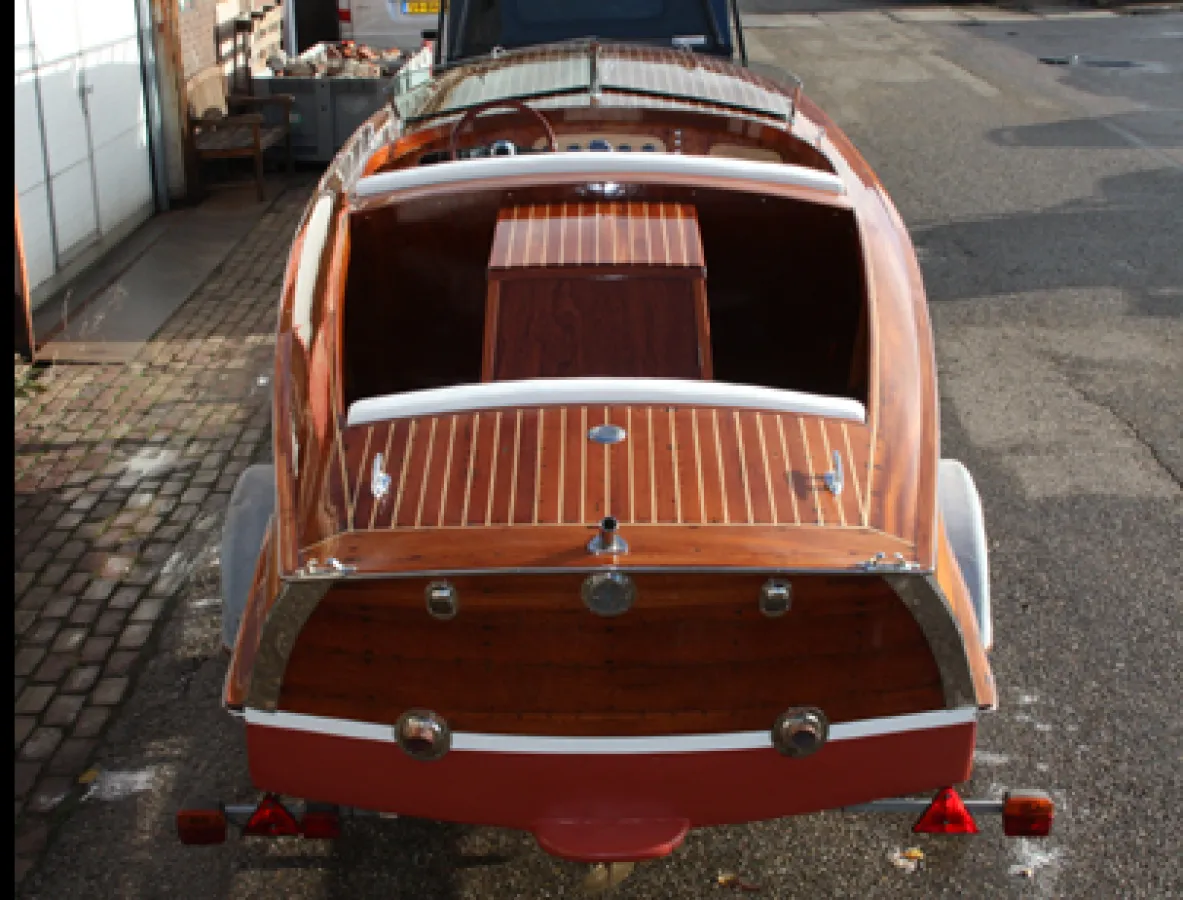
(537, 467)
(554, 235)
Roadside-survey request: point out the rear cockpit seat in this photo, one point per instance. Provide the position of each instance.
(597, 289)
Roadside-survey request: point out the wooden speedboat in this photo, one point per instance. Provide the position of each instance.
(607, 499)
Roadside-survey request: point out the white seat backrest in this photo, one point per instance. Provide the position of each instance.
(651, 166)
(599, 391)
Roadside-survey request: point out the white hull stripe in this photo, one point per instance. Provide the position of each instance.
(673, 743)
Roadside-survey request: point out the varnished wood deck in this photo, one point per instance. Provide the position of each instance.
(597, 234)
(537, 467)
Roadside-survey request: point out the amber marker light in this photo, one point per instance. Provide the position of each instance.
(1028, 814)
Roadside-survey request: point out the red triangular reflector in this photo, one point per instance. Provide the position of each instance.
(271, 819)
(946, 815)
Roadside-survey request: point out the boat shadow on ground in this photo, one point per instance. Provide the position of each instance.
(1093, 132)
(1124, 238)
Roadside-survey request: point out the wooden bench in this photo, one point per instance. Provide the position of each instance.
(219, 131)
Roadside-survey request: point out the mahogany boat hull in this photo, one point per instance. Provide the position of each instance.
(523, 655)
(608, 736)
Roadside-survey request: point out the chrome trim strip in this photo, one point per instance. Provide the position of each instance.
(925, 600)
(295, 603)
(675, 743)
(587, 567)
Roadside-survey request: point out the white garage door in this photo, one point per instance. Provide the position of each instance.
(83, 170)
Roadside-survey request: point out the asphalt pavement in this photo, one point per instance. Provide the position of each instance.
(1045, 199)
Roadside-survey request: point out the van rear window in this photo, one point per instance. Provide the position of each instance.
(589, 10)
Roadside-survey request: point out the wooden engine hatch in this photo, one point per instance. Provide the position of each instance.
(597, 289)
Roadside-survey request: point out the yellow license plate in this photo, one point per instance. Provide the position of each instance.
(421, 7)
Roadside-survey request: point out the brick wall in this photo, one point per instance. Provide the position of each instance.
(205, 30)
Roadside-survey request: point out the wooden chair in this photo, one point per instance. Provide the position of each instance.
(219, 131)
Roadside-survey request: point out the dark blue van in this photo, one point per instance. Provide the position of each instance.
(472, 28)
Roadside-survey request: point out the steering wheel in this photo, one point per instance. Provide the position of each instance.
(498, 104)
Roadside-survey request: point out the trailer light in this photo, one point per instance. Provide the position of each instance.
(423, 734)
(800, 731)
(201, 826)
(271, 819)
(946, 815)
(321, 821)
(1027, 814)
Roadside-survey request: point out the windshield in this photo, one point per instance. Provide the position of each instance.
(549, 76)
(478, 26)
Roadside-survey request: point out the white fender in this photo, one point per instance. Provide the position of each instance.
(252, 504)
(961, 508)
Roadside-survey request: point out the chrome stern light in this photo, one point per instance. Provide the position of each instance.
(776, 596)
(443, 602)
(423, 734)
(800, 731)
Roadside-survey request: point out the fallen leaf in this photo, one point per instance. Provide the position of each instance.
(603, 876)
(907, 860)
(731, 880)
(88, 776)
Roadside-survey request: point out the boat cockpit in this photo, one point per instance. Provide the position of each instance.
(629, 237)
(624, 280)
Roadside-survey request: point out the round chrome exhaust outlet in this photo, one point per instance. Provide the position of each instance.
(422, 734)
(800, 731)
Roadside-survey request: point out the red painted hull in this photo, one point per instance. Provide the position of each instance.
(607, 806)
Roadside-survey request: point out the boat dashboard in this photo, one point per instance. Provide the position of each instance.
(570, 144)
(598, 144)
(514, 133)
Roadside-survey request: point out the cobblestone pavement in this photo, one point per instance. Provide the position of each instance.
(121, 476)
